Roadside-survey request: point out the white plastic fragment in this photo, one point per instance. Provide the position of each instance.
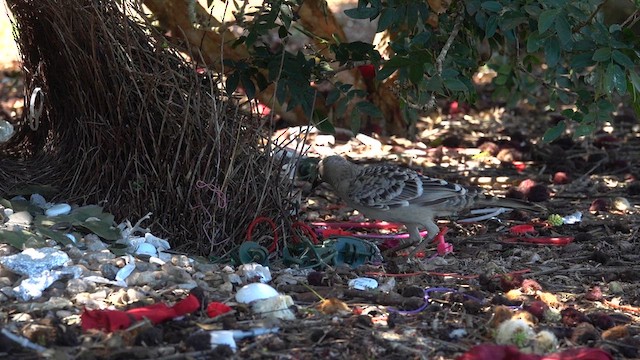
(363, 283)
(457, 334)
(58, 209)
(71, 237)
(32, 262)
(255, 270)
(146, 249)
(256, 291)
(576, 217)
(223, 337)
(32, 287)
(158, 243)
(126, 270)
(275, 307)
(229, 337)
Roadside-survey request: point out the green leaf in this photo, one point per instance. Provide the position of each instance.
(385, 72)
(491, 26)
(564, 32)
(583, 130)
(19, 238)
(455, 85)
(602, 54)
(512, 19)
(619, 79)
(568, 113)
(249, 87)
(412, 15)
(622, 59)
(341, 106)
(102, 229)
(332, 97)
(581, 61)
(635, 80)
(607, 82)
(554, 132)
(362, 13)
(57, 237)
(492, 6)
(500, 80)
(434, 84)
(421, 39)
(323, 124)
(281, 91)
(355, 120)
(552, 52)
(387, 18)
(534, 42)
(283, 32)
(416, 73)
(232, 83)
(547, 19)
(368, 108)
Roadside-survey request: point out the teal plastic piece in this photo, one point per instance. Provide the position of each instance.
(250, 252)
(351, 250)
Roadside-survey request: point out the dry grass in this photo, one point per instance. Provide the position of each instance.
(131, 123)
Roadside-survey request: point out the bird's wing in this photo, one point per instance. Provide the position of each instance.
(386, 187)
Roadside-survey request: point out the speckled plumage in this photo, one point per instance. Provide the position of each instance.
(397, 194)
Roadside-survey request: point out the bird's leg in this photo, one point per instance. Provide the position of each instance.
(432, 232)
(414, 237)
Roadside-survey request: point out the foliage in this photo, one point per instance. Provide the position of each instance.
(559, 48)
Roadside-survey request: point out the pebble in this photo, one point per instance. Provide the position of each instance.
(155, 279)
(21, 218)
(621, 204)
(76, 286)
(180, 260)
(93, 243)
(108, 271)
(38, 200)
(58, 209)
(21, 317)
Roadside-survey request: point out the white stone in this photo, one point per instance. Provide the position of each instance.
(58, 209)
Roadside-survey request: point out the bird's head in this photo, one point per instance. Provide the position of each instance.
(308, 169)
(334, 169)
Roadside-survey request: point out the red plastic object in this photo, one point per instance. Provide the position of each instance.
(367, 71)
(554, 241)
(217, 308)
(258, 220)
(510, 352)
(522, 229)
(306, 229)
(519, 165)
(112, 320)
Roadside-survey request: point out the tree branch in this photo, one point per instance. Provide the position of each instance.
(588, 21)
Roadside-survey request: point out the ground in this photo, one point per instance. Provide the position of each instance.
(579, 281)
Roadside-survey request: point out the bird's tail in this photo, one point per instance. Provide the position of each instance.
(510, 203)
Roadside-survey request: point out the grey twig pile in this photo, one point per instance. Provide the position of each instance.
(128, 121)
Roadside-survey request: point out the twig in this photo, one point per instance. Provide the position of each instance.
(632, 19)
(443, 53)
(586, 22)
